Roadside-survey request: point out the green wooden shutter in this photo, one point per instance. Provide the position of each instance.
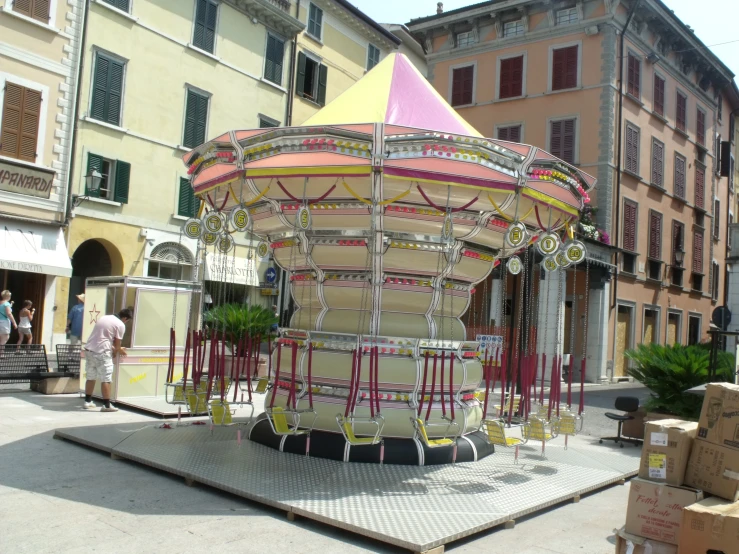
(107, 90)
(188, 203)
(300, 85)
(122, 177)
(273, 62)
(99, 87)
(115, 93)
(93, 162)
(196, 117)
(198, 36)
(201, 119)
(322, 83)
(211, 16)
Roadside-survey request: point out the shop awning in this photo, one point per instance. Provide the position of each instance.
(33, 248)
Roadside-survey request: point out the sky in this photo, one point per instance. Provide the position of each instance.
(714, 21)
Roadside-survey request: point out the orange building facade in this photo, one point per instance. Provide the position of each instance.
(645, 111)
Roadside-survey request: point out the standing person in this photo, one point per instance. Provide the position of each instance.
(24, 327)
(104, 344)
(6, 318)
(74, 320)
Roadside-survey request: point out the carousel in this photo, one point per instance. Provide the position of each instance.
(388, 212)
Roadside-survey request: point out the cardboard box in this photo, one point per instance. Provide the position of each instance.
(719, 421)
(666, 450)
(655, 511)
(627, 543)
(714, 469)
(710, 526)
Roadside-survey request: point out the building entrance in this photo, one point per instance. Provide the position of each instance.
(25, 286)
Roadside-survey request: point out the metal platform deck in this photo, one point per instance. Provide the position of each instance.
(418, 508)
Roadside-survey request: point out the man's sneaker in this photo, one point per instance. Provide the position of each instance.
(111, 408)
(88, 406)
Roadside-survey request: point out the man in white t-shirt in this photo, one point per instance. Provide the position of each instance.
(104, 344)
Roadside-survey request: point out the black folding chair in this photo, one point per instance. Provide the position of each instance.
(628, 404)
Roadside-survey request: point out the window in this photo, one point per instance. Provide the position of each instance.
(267, 122)
(679, 190)
(188, 205)
(698, 252)
(196, 118)
(659, 95)
(719, 108)
(116, 176)
(717, 155)
(651, 326)
(513, 28)
(564, 68)
(123, 5)
(655, 246)
(674, 328)
(511, 133)
(694, 329)
(204, 34)
(681, 110)
(567, 16)
(37, 9)
(107, 89)
(373, 56)
(678, 242)
(700, 127)
(463, 79)
(465, 39)
(511, 77)
(629, 237)
(716, 218)
(562, 139)
(273, 59)
(315, 22)
(634, 76)
(631, 154)
(715, 281)
(312, 79)
(700, 185)
(658, 163)
(20, 122)
(170, 260)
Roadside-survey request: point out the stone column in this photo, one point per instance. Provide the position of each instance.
(549, 323)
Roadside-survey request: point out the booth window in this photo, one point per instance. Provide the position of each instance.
(170, 260)
(116, 177)
(20, 122)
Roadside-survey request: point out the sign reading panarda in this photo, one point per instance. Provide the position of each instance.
(22, 179)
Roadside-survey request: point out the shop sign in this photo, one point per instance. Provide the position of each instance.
(26, 180)
(231, 269)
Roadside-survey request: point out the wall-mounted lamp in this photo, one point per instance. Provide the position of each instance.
(92, 186)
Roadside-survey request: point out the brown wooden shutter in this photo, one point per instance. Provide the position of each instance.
(634, 76)
(658, 153)
(680, 113)
(629, 238)
(511, 77)
(41, 10)
(568, 141)
(655, 235)
(504, 133)
(659, 95)
(680, 177)
(555, 139)
(462, 83)
(570, 79)
(24, 7)
(716, 218)
(700, 126)
(677, 238)
(698, 251)
(632, 149)
(512, 133)
(559, 57)
(20, 122)
(700, 186)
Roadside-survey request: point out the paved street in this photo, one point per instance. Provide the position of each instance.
(80, 500)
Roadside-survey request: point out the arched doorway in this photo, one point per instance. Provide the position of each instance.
(91, 259)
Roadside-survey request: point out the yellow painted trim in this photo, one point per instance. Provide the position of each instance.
(383, 203)
(200, 209)
(449, 184)
(257, 197)
(552, 201)
(497, 209)
(270, 172)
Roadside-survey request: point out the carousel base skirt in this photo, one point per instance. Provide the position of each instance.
(332, 446)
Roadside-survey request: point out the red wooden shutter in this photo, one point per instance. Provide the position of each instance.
(716, 218)
(659, 95)
(629, 239)
(564, 68)
(511, 77)
(700, 185)
(469, 74)
(679, 176)
(655, 235)
(698, 251)
(677, 238)
(568, 141)
(571, 69)
(657, 163)
(505, 79)
(20, 122)
(558, 69)
(681, 112)
(555, 139)
(632, 149)
(504, 133)
(462, 80)
(634, 76)
(457, 84)
(514, 135)
(700, 126)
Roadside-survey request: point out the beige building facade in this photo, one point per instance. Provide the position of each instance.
(39, 54)
(625, 91)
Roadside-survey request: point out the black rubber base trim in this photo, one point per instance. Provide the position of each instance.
(332, 446)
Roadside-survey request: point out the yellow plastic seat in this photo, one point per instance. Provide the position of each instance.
(538, 430)
(495, 434)
(197, 402)
(221, 413)
(346, 424)
(353, 439)
(507, 405)
(262, 385)
(568, 424)
(277, 418)
(421, 425)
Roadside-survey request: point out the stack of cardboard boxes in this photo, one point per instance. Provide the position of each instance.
(681, 460)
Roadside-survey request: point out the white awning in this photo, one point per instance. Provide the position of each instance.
(33, 248)
(230, 269)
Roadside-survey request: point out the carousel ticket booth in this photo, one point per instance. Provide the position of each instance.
(158, 305)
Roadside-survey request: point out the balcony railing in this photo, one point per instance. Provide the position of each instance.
(284, 5)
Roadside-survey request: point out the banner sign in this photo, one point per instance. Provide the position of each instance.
(22, 179)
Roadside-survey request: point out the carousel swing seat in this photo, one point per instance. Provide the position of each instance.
(495, 434)
(568, 424)
(346, 424)
(538, 430)
(222, 412)
(423, 427)
(507, 404)
(278, 420)
(196, 401)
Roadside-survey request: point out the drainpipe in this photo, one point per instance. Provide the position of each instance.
(291, 80)
(75, 125)
(619, 152)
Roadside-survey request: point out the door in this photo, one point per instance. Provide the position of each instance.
(694, 329)
(623, 341)
(650, 326)
(673, 322)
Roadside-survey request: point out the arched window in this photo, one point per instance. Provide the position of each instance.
(170, 260)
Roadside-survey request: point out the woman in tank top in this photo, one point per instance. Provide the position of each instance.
(24, 326)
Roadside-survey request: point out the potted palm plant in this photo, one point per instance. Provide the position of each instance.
(244, 327)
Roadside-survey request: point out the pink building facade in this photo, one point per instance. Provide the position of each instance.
(645, 111)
